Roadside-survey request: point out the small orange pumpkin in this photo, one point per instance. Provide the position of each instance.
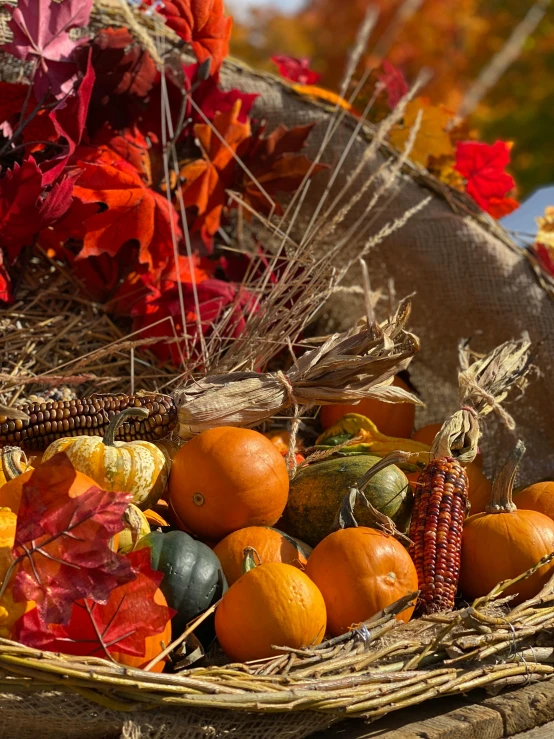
(360, 571)
(504, 542)
(227, 478)
(281, 439)
(273, 604)
(538, 497)
(270, 544)
(392, 419)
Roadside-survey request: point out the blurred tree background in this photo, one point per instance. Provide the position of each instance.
(456, 39)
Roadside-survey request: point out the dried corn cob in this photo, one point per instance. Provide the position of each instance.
(88, 417)
(438, 514)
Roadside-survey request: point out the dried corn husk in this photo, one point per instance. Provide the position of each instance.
(347, 367)
(484, 384)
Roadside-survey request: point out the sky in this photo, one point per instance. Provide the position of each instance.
(240, 7)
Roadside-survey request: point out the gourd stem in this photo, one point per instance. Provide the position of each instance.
(503, 485)
(12, 464)
(115, 423)
(249, 563)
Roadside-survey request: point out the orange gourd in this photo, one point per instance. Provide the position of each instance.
(392, 419)
(538, 497)
(273, 604)
(504, 542)
(270, 544)
(225, 479)
(63, 476)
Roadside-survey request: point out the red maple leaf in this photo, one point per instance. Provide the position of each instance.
(121, 625)
(202, 24)
(296, 70)
(394, 83)
(125, 74)
(41, 34)
(206, 94)
(206, 180)
(159, 315)
(61, 549)
(483, 167)
(109, 147)
(128, 210)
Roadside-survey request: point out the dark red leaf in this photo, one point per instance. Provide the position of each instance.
(124, 72)
(5, 282)
(121, 625)
(62, 541)
(296, 70)
(20, 189)
(57, 202)
(41, 34)
(69, 120)
(12, 97)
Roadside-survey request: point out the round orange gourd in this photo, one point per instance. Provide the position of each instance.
(270, 544)
(154, 644)
(273, 604)
(360, 571)
(392, 419)
(225, 479)
(538, 497)
(426, 435)
(62, 476)
(504, 542)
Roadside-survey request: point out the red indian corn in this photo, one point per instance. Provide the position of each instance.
(438, 514)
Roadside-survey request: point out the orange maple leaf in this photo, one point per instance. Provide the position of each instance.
(432, 139)
(207, 179)
(129, 211)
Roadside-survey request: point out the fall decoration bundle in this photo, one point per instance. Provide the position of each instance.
(191, 548)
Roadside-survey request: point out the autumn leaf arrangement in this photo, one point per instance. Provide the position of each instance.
(133, 176)
(140, 179)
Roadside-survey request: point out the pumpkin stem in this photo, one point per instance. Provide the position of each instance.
(14, 462)
(115, 423)
(249, 562)
(503, 485)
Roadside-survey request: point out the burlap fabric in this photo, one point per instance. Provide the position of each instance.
(468, 281)
(57, 715)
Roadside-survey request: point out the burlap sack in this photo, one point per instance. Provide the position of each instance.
(469, 281)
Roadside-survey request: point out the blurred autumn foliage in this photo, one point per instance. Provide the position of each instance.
(454, 38)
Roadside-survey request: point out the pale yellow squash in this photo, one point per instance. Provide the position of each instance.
(136, 467)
